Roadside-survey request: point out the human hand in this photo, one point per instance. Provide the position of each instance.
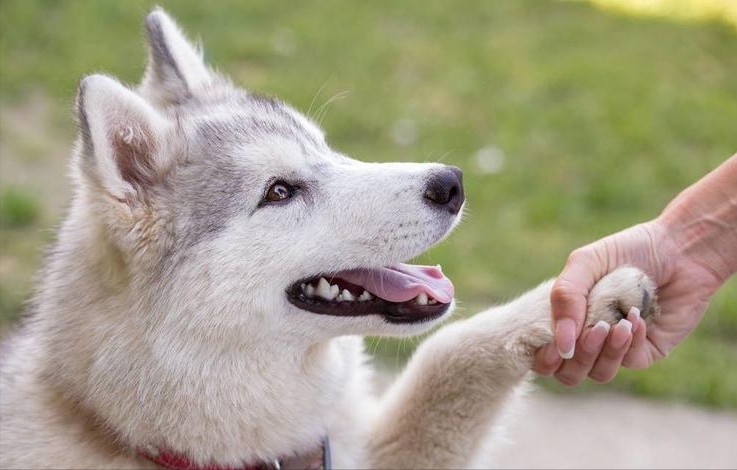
(685, 286)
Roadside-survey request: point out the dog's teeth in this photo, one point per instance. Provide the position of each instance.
(323, 289)
(347, 296)
(365, 296)
(339, 298)
(309, 290)
(432, 301)
(421, 299)
(334, 291)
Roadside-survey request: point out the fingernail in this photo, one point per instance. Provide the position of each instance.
(618, 340)
(596, 337)
(634, 317)
(565, 337)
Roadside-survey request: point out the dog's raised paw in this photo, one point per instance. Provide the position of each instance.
(616, 293)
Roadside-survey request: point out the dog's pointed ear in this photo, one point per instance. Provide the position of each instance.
(176, 69)
(121, 139)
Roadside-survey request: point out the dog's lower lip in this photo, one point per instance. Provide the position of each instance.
(392, 312)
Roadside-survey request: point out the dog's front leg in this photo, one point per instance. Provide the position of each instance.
(443, 404)
(441, 408)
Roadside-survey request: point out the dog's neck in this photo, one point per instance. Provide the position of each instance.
(227, 410)
(318, 459)
(210, 401)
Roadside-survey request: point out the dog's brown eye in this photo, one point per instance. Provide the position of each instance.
(279, 191)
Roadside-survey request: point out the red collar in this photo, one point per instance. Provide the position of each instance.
(319, 459)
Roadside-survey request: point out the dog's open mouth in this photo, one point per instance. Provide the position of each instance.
(402, 293)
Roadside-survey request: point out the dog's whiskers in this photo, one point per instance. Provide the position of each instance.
(314, 99)
(322, 110)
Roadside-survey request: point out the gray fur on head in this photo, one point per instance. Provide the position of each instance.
(163, 319)
(175, 69)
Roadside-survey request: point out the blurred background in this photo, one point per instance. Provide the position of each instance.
(571, 119)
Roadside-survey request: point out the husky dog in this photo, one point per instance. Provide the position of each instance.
(205, 302)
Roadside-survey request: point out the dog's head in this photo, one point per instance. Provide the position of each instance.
(228, 211)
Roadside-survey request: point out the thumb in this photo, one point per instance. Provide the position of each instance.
(568, 298)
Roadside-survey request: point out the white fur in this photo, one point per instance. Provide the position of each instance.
(162, 318)
(115, 111)
(164, 85)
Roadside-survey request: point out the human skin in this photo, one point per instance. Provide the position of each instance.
(689, 250)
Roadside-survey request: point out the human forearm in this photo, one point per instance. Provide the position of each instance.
(702, 221)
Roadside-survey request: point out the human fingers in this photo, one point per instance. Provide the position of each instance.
(588, 348)
(547, 360)
(638, 356)
(615, 347)
(568, 297)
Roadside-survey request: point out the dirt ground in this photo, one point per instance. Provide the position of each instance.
(616, 431)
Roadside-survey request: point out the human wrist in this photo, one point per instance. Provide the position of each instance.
(703, 233)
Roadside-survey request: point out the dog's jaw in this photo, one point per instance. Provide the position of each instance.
(401, 294)
(163, 311)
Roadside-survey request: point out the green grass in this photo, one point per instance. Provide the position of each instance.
(17, 208)
(601, 120)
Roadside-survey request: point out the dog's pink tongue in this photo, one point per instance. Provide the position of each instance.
(403, 282)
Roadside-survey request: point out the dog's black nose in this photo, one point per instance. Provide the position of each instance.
(445, 189)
